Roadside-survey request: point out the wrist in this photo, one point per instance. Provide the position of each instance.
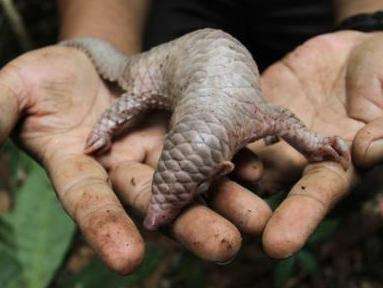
(119, 22)
(348, 8)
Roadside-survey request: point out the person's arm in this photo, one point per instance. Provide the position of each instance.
(118, 21)
(347, 8)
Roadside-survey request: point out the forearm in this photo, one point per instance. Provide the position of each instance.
(118, 21)
(348, 8)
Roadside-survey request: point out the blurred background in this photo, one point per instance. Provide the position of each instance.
(41, 247)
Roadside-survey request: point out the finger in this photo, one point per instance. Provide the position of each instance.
(367, 148)
(248, 167)
(321, 186)
(198, 228)
(12, 100)
(246, 210)
(81, 184)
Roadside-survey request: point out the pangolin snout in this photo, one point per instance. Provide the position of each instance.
(157, 218)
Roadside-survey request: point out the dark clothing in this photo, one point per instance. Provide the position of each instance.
(269, 29)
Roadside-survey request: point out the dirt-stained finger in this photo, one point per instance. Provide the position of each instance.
(321, 186)
(246, 210)
(82, 186)
(204, 232)
(207, 234)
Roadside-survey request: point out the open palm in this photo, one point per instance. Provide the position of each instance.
(318, 82)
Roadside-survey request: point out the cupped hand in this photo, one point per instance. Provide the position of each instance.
(54, 97)
(333, 83)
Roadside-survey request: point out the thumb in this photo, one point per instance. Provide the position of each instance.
(367, 148)
(365, 100)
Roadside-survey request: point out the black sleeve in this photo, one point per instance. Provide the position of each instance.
(170, 19)
(268, 28)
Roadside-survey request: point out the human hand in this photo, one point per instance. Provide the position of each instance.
(365, 101)
(333, 83)
(55, 96)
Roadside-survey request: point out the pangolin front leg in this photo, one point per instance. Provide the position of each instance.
(122, 115)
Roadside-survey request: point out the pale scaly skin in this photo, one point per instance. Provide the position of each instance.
(211, 83)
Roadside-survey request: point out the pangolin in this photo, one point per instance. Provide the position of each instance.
(211, 83)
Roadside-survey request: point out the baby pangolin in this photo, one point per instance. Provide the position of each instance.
(211, 83)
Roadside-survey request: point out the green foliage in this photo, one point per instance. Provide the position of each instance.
(287, 269)
(283, 271)
(324, 231)
(188, 272)
(19, 164)
(308, 262)
(38, 229)
(6, 239)
(41, 229)
(276, 199)
(96, 275)
(305, 258)
(10, 269)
